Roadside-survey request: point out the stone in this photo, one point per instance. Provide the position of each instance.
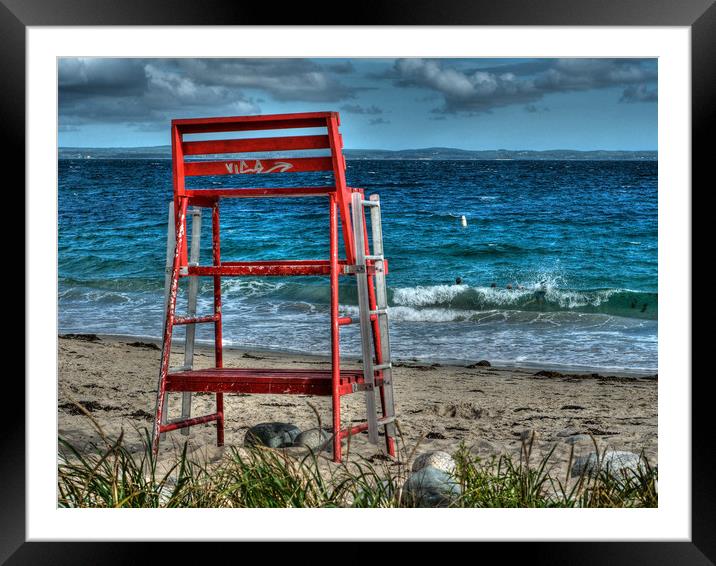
(481, 363)
(273, 435)
(430, 487)
(579, 439)
(435, 459)
(316, 439)
(613, 461)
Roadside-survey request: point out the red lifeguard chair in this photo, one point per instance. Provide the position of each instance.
(345, 205)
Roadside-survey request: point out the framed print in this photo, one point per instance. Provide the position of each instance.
(535, 170)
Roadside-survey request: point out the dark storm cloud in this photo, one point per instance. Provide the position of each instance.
(481, 90)
(283, 79)
(342, 68)
(358, 109)
(534, 109)
(639, 93)
(115, 77)
(146, 92)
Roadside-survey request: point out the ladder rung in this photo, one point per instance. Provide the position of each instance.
(183, 423)
(265, 268)
(375, 257)
(380, 367)
(386, 420)
(379, 311)
(196, 319)
(370, 203)
(180, 368)
(183, 271)
(260, 192)
(346, 320)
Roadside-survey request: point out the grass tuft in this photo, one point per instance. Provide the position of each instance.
(110, 475)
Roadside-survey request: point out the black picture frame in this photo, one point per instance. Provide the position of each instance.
(699, 15)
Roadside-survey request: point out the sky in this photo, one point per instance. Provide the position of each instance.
(477, 104)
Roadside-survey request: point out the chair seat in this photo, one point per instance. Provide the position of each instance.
(263, 380)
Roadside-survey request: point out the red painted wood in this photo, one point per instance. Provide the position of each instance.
(278, 381)
(244, 123)
(260, 192)
(343, 192)
(194, 319)
(269, 268)
(169, 323)
(190, 422)
(335, 330)
(178, 180)
(333, 382)
(255, 144)
(352, 431)
(203, 202)
(218, 340)
(262, 268)
(257, 166)
(283, 262)
(252, 119)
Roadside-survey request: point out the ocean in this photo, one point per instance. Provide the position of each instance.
(576, 241)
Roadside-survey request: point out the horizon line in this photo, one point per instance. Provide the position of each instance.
(380, 149)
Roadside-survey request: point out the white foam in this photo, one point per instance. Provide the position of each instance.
(428, 295)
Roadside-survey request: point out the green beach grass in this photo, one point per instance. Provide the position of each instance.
(110, 475)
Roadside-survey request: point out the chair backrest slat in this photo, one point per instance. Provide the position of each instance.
(257, 166)
(251, 145)
(248, 123)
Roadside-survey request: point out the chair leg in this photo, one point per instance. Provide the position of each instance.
(218, 337)
(220, 420)
(337, 429)
(335, 330)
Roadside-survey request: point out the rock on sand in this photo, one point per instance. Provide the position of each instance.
(435, 459)
(273, 435)
(613, 461)
(430, 487)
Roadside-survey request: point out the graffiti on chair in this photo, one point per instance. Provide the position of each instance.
(244, 167)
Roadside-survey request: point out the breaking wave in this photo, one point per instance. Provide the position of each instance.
(532, 298)
(446, 302)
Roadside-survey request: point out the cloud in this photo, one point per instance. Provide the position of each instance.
(283, 79)
(149, 92)
(534, 109)
(342, 68)
(639, 93)
(481, 90)
(117, 77)
(358, 109)
(378, 121)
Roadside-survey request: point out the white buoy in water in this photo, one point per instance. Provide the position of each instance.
(463, 220)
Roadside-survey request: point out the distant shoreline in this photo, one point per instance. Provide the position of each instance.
(426, 154)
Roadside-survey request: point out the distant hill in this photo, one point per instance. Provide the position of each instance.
(447, 153)
(430, 153)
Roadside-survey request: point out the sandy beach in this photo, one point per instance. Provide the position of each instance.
(488, 409)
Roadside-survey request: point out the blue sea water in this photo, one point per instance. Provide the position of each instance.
(577, 241)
